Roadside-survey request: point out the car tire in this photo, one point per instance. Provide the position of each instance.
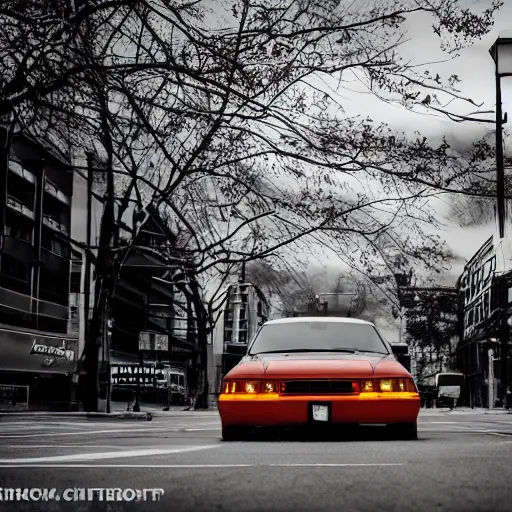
(234, 433)
(405, 431)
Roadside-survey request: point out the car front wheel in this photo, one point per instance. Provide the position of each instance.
(405, 431)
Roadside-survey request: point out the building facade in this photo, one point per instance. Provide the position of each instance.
(245, 309)
(38, 347)
(485, 293)
(150, 315)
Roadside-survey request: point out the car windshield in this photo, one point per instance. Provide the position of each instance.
(322, 336)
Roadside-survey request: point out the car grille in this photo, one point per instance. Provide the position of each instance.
(317, 387)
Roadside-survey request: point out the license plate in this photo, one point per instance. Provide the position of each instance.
(320, 413)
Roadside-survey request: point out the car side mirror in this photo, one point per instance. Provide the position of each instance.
(400, 349)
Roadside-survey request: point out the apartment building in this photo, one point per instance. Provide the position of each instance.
(38, 352)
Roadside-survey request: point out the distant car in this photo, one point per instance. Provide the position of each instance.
(318, 371)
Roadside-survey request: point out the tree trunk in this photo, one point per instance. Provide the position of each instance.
(105, 279)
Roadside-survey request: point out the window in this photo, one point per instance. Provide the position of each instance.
(486, 303)
(14, 268)
(18, 226)
(473, 284)
(318, 335)
(487, 270)
(74, 285)
(19, 232)
(53, 283)
(471, 317)
(21, 190)
(54, 209)
(50, 243)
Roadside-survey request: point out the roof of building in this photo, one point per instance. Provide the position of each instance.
(330, 319)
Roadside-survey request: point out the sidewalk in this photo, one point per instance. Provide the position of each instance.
(464, 410)
(157, 410)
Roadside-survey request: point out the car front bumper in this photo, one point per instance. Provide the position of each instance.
(276, 410)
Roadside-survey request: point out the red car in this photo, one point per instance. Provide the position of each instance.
(318, 371)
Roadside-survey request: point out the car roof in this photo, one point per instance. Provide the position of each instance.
(323, 319)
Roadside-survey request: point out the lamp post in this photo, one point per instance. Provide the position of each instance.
(501, 52)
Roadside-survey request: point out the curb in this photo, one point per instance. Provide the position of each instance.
(147, 416)
(480, 411)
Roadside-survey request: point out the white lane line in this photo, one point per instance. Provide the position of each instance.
(496, 433)
(194, 466)
(201, 429)
(50, 423)
(30, 446)
(93, 432)
(109, 455)
(441, 422)
(469, 430)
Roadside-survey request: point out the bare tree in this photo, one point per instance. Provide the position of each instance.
(220, 117)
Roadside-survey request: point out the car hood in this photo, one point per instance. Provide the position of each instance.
(318, 365)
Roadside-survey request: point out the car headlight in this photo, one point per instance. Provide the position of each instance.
(269, 387)
(250, 387)
(388, 386)
(367, 386)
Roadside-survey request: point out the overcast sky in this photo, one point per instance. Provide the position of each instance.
(475, 68)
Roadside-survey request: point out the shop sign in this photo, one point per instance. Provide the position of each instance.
(26, 351)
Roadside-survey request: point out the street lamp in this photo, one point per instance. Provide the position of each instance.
(501, 52)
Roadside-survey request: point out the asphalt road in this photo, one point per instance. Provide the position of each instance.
(462, 462)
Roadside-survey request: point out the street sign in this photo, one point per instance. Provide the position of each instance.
(144, 341)
(153, 341)
(162, 342)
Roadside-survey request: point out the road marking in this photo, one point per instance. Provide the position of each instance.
(29, 446)
(93, 432)
(109, 455)
(200, 429)
(193, 466)
(51, 423)
(441, 422)
(496, 433)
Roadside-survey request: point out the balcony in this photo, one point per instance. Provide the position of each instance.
(50, 309)
(18, 169)
(13, 299)
(55, 263)
(19, 249)
(53, 224)
(21, 302)
(53, 191)
(15, 284)
(19, 207)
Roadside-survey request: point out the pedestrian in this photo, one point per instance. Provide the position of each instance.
(508, 399)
